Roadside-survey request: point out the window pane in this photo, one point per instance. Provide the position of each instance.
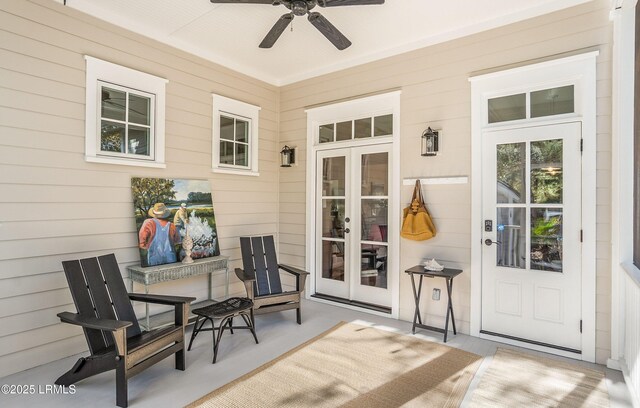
(112, 137)
(546, 239)
(113, 104)
(333, 218)
(343, 131)
(375, 219)
(242, 155)
(546, 171)
(326, 133)
(511, 230)
(505, 108)
(373, 265)
(242, 131)
(383, 125)
(375, 174)
(333, 260)
(139, 109)
(552, 101)
(226, 128)
(139, 141)
(363, 128)
(226, 152)
(510, 172)
(333, 176)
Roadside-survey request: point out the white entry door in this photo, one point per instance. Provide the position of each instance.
(352, 217)
(531, 260)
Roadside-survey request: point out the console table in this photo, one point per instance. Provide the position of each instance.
(163, 273)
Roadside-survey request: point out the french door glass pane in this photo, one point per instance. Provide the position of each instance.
(139, 140)
(511, 173)
(226, 152)
(546, 171)
(362, 128)
(112, 137)
(373, 265)
(226, 128)
(326, 133)
(139, 109)
(546, 239)
(113, 104)
(333, 218)
(343, 131)
(374, 220)
(554, 101)
(375, 171)
(511, 235)
(383, 125)
(333, 176)
(333, 260)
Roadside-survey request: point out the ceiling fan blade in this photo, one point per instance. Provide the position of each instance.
(328, 30)
(244, 1)
(277, 30)
(338, 3)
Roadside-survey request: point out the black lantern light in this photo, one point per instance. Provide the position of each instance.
(429, 142)
(287, 156)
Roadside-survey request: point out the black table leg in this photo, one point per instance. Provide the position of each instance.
(416, 296)
(446, 323)
(450, 305)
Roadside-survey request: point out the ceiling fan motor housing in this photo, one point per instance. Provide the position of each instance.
(300, 7)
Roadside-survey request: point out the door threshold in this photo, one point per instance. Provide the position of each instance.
(377, 308)
(536, 343)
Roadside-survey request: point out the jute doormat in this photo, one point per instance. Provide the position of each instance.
(515, 379)
(354, 366)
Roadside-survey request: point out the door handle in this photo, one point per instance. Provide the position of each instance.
(489, 242)
(347, 230)
(347, 219)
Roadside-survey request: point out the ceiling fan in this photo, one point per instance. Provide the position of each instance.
(300, 8)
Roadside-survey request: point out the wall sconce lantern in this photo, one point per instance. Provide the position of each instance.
(429, 142)
(287, 156)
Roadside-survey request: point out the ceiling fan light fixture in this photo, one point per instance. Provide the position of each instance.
(299, 8)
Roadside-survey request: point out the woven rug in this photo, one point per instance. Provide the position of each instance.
(515, 379)
(354, 366)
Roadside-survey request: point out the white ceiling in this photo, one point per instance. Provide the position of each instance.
(229, 34)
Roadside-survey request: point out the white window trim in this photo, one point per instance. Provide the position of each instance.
(223, 105)
(99, 70)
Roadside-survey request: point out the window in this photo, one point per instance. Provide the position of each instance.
(356, 129)
(235, 136)
(124, 115)
(535, 104)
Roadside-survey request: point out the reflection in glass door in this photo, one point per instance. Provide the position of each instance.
(352, 221)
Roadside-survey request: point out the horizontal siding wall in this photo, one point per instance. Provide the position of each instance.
(55, 206)
(436, 93)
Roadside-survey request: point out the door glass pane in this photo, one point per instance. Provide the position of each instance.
(333, 176)
(112, 137)
(511, 230)
(546, 171)
(546, 239)
(242, 131)
(504, 108)
(226, 128)
(333, 218)
(113, 103)
(552, 101)
(510, 173)
(362, 128)
(383, 125)
(343, 131)
(139, 109)
(375, 174)
(373, 265)
(226, 152)
(326, 133)
(242, 154)
(139, 140)
(374, 215)
(333, 260)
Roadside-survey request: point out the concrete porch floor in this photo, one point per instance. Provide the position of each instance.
(163, 386)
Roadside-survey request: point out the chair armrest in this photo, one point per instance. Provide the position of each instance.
(293, 270)
(92, 322)
(244, 276)
(160, 299)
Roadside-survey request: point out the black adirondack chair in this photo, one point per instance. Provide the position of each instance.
(111, 328)
(261, 277)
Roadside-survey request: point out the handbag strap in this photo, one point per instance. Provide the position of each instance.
(417, 193)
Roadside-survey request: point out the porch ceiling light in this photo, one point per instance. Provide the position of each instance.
(429, 145)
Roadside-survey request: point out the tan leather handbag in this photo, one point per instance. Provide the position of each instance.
(417, 224)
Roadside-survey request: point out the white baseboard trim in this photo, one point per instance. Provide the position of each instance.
(613, 364)
(629, 383)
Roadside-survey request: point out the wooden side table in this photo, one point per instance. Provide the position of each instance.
(164, 273)
(448, 274)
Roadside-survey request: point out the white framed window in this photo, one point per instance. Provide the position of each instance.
(125, 111)
(235, 136)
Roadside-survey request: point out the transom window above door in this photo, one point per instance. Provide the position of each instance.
(356, 129)
(534, 104)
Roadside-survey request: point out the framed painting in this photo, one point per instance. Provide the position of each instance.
(166, 210)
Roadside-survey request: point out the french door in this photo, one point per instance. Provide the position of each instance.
(531, 261)
(352, 218)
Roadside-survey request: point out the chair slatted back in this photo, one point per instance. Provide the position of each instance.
(98, 291)
(259, 256)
